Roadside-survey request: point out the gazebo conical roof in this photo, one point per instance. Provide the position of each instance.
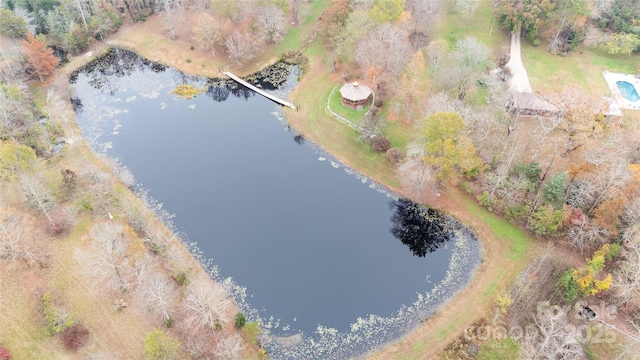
(355, 92)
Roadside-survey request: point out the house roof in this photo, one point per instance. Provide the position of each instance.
(529, 101)
(355, 92)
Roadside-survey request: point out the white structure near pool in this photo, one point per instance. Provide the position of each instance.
(625, 89)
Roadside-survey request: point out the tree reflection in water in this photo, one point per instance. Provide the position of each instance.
(422, 229)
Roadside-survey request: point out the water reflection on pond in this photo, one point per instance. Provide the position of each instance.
(311, 245)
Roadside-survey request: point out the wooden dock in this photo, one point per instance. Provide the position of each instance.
(261, 92)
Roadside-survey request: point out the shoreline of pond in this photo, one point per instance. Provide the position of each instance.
(460, 271)
(452, 201)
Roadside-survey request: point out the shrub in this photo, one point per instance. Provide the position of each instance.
(485, 200)
(58, 320)
(532, 171)
(555, 189)
(4, 353)
(217, 326)
(504, 301)
(168, 322)
(394, 155)
(75, 337)
(159, 346)
(61, 218)
(589, 280)
(517, 212)
(380, 143)
(180, 277)
(119, 304)
(155, 247)
(571, 290)
(241, 320)
(548, 221)
(85, 203)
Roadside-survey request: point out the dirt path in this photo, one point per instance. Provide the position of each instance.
(519, 81)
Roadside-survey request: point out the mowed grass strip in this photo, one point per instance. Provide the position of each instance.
(517, 239)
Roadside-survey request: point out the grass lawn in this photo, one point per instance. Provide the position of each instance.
(480, 25)
(400, 133)
(502, 229)
(295, 37)
(582, 68)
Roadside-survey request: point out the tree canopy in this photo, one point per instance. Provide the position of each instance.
(12, 25)
(386, 10)
(448, 149)
(40, 58)
(526, 15)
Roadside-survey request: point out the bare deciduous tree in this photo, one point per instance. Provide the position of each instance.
(208, 32)
(355, 29)
(206, 304)
(37, 195)
(167, 7)
(468, 60)
(240, 47)
(13, 242)
(415, 175)
(109, 266)
(554, 338)
(80, 7)
(467, 7)
(158, 295)
(181, 6)
(272, 23)
(421, 10)
(386, 46)
(436, 56)
(603, 183)
(627, 284)
(586, 236)
(109, 263)
(229, 348)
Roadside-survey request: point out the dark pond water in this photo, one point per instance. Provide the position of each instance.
(311, 246)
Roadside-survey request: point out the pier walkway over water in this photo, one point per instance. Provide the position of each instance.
(261, 92)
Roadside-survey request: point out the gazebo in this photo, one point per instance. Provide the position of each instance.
(355, 95)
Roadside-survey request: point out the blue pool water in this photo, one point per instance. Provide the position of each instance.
(628, 91)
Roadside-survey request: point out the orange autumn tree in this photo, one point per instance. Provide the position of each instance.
(40, 58)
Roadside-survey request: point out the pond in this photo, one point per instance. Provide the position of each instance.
(310, 248)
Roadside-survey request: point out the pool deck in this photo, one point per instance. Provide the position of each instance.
(611, 79)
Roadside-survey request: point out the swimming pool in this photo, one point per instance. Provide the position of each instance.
(628, 90)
